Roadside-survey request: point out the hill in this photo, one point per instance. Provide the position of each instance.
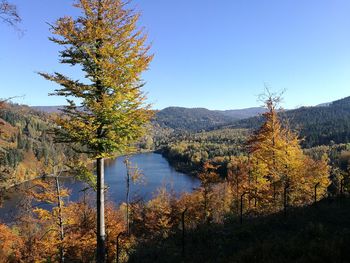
(47, 109)
(243, 113)
(26, 144)
(319, 125)
(197, 119)
(187, 119)
(192, 119)
(323, 124)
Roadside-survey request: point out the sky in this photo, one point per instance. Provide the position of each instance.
(216, 54)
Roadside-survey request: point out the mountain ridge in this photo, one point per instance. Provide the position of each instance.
(192, 119)
(322, 124)
(317, 125)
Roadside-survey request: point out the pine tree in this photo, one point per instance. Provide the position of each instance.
(112, 52)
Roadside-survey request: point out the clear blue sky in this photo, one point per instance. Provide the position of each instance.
(208, 53)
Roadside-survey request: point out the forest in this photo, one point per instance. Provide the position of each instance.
(273, 184)
(261, 177)
(319, 125)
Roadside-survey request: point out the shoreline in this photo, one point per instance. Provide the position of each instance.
(13, 185)
(178, 166)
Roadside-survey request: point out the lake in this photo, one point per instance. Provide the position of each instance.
(154, 167)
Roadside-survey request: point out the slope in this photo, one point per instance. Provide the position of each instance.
(317, 233)
(319, 125)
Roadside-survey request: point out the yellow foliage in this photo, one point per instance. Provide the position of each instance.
(276, 161)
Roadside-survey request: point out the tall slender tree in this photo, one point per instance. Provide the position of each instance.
(112, 52)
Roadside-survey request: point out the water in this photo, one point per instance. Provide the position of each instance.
(156, 172)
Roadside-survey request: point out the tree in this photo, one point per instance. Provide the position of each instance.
(133, 175)
(9, 245)
(208, 178)
(48, 191)
(9, 14)
(238, 179)
(112, 52)
(278, 162)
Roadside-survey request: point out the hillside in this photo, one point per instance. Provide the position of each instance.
(319, 125)
(323, 124)
(197, 119)
(194, 119)
(26, 144)
(243, 113)
(187, 119)
(318, 233)
(47, 109)
(188, 152)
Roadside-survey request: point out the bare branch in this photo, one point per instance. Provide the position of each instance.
(9, 15)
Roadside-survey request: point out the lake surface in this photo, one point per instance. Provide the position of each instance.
(154, 167)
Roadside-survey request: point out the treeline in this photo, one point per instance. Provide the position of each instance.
(188, 152)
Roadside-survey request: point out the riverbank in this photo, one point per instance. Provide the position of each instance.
(11, 185)
(180, 164)
(185, 164)
(157, 174)
(35, 178)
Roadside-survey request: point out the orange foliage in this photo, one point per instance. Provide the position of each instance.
(9, 245)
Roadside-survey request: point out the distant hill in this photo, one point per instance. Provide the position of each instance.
(193, 119)
(47, 109)
(320, 125)
(244, 113)
(323, 124)
(196, 119)
(189, 119)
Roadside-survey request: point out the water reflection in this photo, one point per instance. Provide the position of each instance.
(156, 170)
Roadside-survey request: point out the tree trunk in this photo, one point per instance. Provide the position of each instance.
(60, 219)
(101, 235)
(127, 197)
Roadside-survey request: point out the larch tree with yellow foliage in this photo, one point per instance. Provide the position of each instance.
(278, 163)
(112, 52)
(238, 179)
(208, 177)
